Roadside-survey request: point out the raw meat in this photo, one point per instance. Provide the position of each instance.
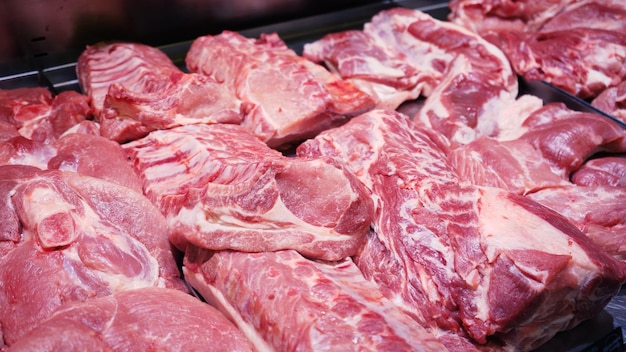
(613, 101)
(403, 53)
(35, 114)
(73, 238)
(146, 319)
(511, 165)
(581, 61)
(24, 104)
(384, 72)
(87, 154)
(285, 97)
(556, 143)
(220, 187)
(483, 17)
(597, 210)
(304, 305)
(470, 260)
(578, 46)
(573, 137)
(606, 170)
(135, 89)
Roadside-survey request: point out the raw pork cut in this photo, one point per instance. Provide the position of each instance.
(480, 262)
(613, 101)
(87, 154)
(285, 97)
(73, 238)
(556, 143)
(35, 113)
(515, 166)
(136, 88)
(304, 305)
(146, 319)
(578, 46)
(483, 17)
(597, 210)
(220, 187)
(606, 170)
(403, 53)
(581, 61)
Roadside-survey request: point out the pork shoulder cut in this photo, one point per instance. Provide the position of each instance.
(480, 262)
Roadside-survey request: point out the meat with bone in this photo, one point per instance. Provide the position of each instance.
(135, 89)
(470, 260)
(605, 170)
(220, 187)
(285, 97)
(35, 114)
(301, 304)
(402, 53)
(73, 238)
(597, 210)
(144, 319)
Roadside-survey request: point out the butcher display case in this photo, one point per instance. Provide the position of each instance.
(40, 42)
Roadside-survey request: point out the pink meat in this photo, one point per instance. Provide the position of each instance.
(597, 210)
(74, 238)
(304, 305)
(476, 83)
(136, 89)
(285, 97)
(556, 142)
(87, 154)
(511, 165)
(144, 319)
(574, 137)
(581, 61)
(94, 156)
(473, 261)
(222, 188)
(483, 16)
(613, 101)
(35, 114)
(381, 70)
(606, 170)
(24, 104)
(403, 53)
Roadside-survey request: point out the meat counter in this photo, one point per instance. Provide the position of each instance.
(42, 51)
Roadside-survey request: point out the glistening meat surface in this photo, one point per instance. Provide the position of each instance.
(285, 97)
(135, 89)
(597, 210)
(301, 304)
(145, 319)
(220, 187)
(469, 260)
(402, 54)
(74, 238)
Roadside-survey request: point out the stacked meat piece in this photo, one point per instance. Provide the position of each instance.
(383, 232)
(578, 46)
